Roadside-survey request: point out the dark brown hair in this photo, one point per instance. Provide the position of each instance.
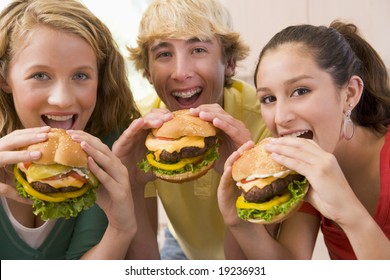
(342, 52)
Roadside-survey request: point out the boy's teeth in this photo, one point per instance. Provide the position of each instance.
(186, 94)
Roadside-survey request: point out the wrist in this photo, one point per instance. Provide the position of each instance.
(123, 234)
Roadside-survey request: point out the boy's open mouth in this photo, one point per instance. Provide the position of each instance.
(186, 98)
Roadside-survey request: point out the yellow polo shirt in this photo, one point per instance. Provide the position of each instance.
(192, 207)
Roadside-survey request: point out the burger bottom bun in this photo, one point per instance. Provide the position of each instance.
(282, 216)
(186, 176)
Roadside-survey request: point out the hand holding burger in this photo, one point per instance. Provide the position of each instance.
(59, 183)
(182, 149)
(270, 191)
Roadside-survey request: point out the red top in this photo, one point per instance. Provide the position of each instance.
(335, 239)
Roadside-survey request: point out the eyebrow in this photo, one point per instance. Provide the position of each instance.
(165, 44)
(296, 79)
(44, 66)
(159, 45)
(288, 82)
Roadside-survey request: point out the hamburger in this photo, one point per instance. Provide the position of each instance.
(182, 149)
(59, 183)
(270, 192)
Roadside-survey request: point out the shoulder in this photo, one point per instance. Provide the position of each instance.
(242, 93)
(240, 99)
(241, 87)
(148, 102)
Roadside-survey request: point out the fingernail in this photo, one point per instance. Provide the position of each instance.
(42, 135)
(75, 137)
(35, 154)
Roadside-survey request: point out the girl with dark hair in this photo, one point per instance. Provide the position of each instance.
(325, 96)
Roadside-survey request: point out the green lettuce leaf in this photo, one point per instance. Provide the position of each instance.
(65, 209)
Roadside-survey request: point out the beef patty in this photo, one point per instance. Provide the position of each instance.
(277, 187)
(46, 188)
(188, 152)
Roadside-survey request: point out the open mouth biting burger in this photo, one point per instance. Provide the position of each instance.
(270, 191)
(182, 149)
(59, 183)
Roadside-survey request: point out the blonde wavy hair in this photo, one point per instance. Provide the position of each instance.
(186, 19)
(115, 107)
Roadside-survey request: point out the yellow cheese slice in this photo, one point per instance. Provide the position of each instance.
(157, 145)
(260, 183)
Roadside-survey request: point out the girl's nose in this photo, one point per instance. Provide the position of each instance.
(283, 114)
(61, 96)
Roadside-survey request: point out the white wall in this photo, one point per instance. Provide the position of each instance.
(259, 20)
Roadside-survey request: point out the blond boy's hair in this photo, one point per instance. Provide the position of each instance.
(186, 19)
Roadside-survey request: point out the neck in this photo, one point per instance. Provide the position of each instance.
(361, 153)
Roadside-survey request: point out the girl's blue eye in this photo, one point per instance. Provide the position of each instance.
(40, 76)
(80, 76)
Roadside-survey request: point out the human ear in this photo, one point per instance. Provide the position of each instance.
(354, 90)
(230, 67)
(148, 77)
(5, 86)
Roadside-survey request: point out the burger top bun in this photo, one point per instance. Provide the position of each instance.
(184, 124)
(256, 161)
(60, 149)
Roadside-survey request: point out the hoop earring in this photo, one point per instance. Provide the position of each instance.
(348, 125)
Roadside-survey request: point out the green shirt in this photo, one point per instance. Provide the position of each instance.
(69, 239)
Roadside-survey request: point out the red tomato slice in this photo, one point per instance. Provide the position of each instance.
(245, 181)
(77, 176)
(165, 138)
